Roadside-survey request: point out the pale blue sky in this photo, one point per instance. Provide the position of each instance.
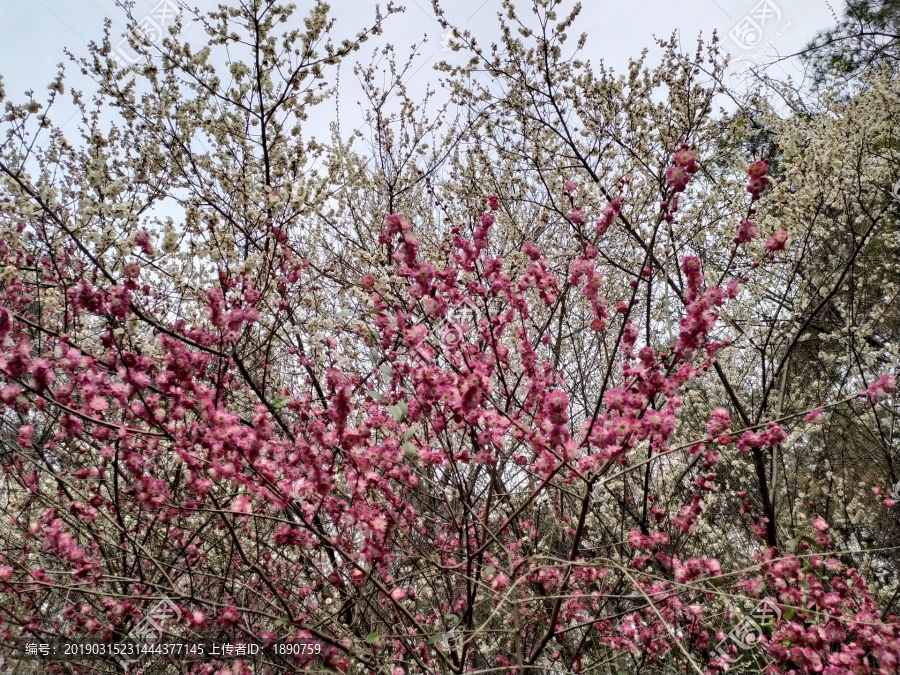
(33, 33)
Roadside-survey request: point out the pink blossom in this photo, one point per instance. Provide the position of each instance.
(396, 224)
(25, 432)
(557, 406)
(814, 416)
(435, 306)
(686, 158)
(576, 215)
(5, 324)
(884, 385)
(9, 393)
(197, 619)
(241, 504)
(678, 177)
(756, 186)
(747, 232)
(228, 616)
(98, 403)
(758, 169)
(499, 581)
(142, 239)
(370, 450)
(531, 250)
(720, 422)
(778, 241)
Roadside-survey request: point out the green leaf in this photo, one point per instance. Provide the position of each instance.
(410, 449)
(489, 571)
(398, 412)
(378, 397)
(451, 617)
(386, 371)
(790, 614)
(812, 543)
(279, 623)
(372, 638)
(434, 639)
(279, 402)
(408, 434)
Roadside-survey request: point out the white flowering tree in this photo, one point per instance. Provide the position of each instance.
(586, 377)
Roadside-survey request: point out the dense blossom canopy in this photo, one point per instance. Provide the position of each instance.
(579, 377)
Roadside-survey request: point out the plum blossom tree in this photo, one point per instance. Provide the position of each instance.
(486, 405)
